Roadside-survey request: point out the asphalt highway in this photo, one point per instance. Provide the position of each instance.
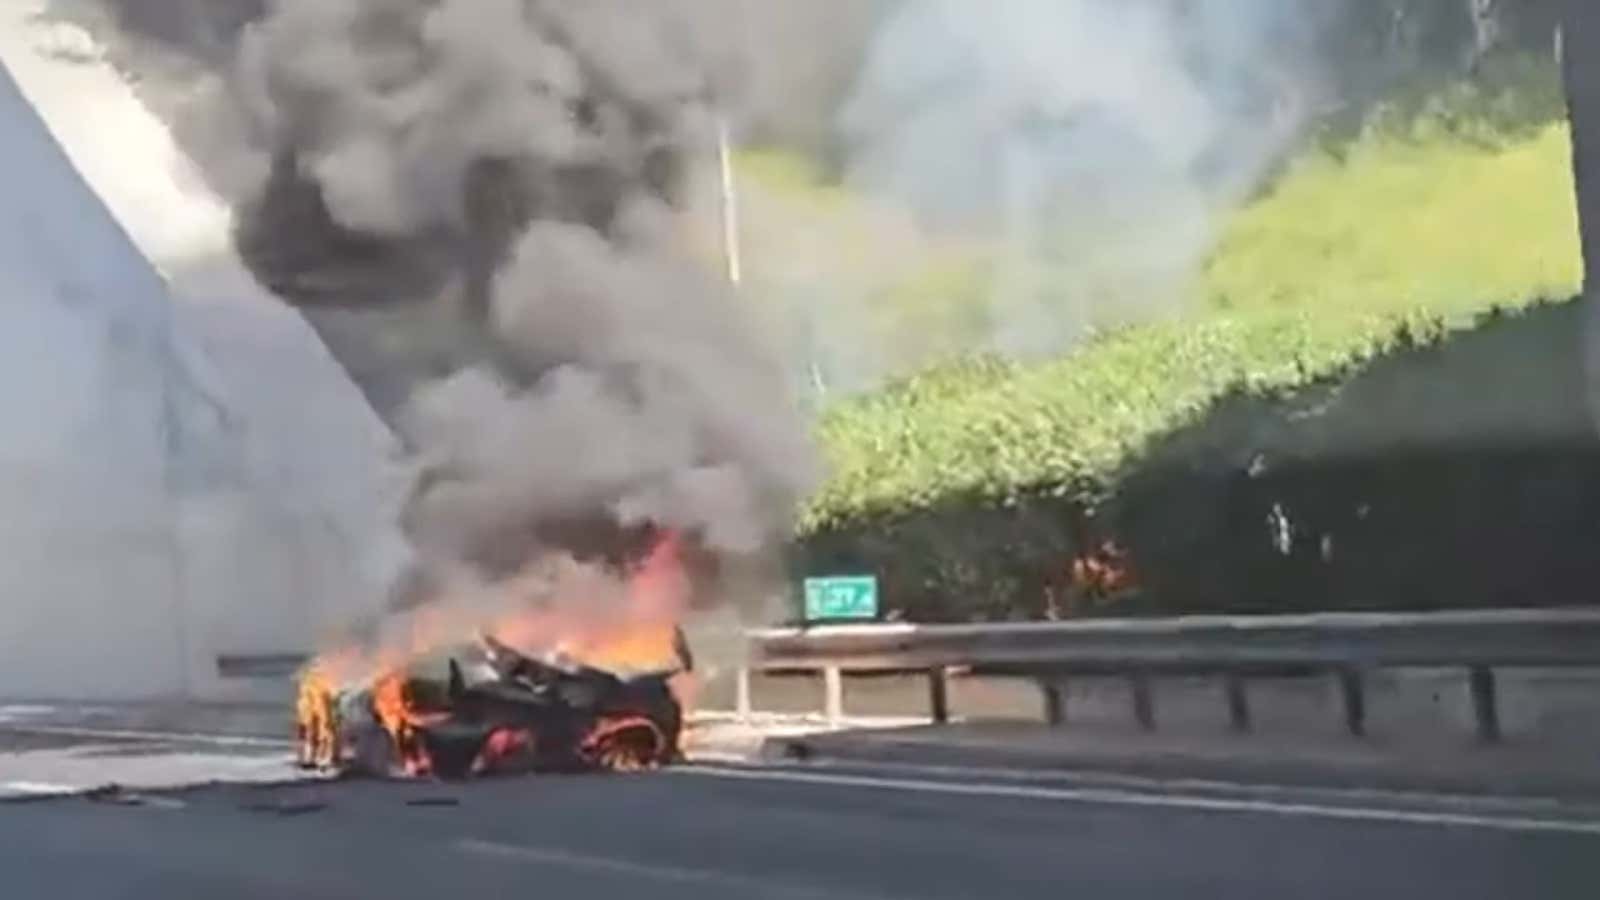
(729, 832)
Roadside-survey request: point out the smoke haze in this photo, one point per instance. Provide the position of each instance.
(1098, 143)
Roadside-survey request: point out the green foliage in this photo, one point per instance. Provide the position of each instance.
(1419, 222)
(1003, 432)
(1393, 240)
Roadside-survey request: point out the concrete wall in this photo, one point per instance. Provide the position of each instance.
(89, 599)
(184, 469)
(1580, 56)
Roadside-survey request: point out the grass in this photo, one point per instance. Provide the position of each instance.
(1397, 236)
(1403, 224)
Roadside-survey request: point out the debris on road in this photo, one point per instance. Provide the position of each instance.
(286, 807)
(434, 801)
(120, 796)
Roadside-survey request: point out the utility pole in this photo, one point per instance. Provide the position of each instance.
(732, 244)
(730, 204)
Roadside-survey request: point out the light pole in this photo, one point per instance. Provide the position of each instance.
(730, 204)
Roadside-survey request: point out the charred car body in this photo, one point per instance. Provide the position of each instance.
(488, 709)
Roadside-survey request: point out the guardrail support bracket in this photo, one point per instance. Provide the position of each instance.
(1055, 703)
(1238, 703)
(833, 695)
(939, 694)
(1485, 705)
(1144, 705)
(1353, 692)
(741, 696)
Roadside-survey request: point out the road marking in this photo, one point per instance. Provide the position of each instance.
(1114, 797)
(1103, 779)
(35, 788)
(218, 740)
(746, 885)
(11, 710)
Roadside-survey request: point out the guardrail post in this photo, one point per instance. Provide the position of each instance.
(1485, 707)
(1144, 705)
(939, 694)
(741, 694)
(1238, 702)
(833, 695)
(1055, 703)
(1353, 693)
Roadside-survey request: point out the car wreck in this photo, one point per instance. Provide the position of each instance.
(487, 709)
(578, 667)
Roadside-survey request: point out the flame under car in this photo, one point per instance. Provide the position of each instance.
(488, 710)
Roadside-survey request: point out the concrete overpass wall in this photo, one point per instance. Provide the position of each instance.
(1580, 58)
(90, 599)
(1581, 61)
(184, 469)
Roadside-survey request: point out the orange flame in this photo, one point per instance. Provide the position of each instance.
(642, 636)
(1102, 574)
(392, 703)
(318, 729)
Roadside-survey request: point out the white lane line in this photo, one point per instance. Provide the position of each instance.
(217, 740)
(1114, 797)
(35, 788)
(745, 885)
(1102, 779)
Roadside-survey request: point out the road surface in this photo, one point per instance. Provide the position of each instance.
(729, 832)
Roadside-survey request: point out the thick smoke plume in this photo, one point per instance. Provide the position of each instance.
(508, 174)
(1066, 161)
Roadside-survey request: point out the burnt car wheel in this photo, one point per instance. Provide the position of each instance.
(626, 744)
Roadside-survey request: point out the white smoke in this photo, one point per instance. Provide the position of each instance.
(1100, 142)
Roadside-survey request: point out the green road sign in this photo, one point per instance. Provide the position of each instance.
(853, 597)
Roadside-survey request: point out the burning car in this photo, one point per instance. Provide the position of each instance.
(602, 691)
(488, 709)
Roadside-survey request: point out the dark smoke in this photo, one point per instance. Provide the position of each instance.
(519, 165)
(479, 205)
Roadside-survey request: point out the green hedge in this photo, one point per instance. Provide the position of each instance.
(1400, 237)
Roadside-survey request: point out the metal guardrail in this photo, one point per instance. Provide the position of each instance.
(260, 665)
(1235, 648)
